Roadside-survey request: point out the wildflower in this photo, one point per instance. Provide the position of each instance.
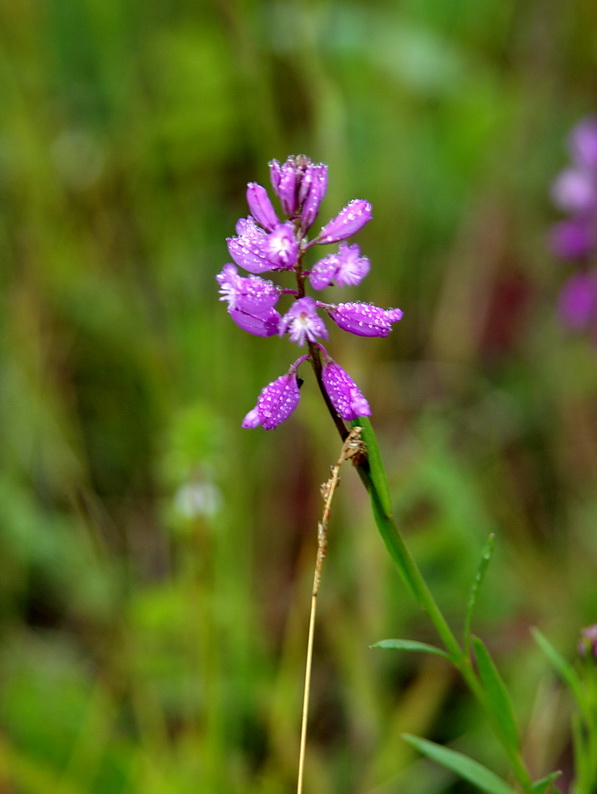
(276, 401)
(265, 243)
(302, 323)
(363, 319)
(343, 392)
(347, 222)
(346, 267)
(588, 641)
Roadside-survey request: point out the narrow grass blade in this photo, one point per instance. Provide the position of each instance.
(497, 698)
(564, 668)
(545, 784)
(481, 777)
(486, 555)
(411, 645)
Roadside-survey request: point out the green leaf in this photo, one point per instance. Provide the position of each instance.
(544, 784)
(411, 645)
(470, 770)
(478, 581)
(497, 698)
(564, 668)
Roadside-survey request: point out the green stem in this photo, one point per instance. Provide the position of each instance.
(372, 474)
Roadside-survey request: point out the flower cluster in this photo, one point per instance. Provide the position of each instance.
(264, 243)
(575, 238)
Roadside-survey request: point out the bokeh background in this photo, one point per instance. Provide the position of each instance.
(156, 559)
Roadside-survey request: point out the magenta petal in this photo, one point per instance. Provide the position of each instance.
(261, 206)
(275, 404)
(250, 248)
(343, 392)
(348, 221)
(253, 295)
(363, 319)
(266, 324)
(311, 193)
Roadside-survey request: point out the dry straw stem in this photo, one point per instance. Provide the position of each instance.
(352, 446)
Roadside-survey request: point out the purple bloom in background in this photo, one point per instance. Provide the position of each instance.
(265, 243)
(578, 302)
(343, 392)
(575, 191)
(575, 238)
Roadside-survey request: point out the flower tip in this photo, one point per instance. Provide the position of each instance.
(251, 420)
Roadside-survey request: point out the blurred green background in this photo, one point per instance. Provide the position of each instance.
(156, 558)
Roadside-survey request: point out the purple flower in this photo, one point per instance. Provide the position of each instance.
(573, 238)
(343, 392)
(583, 143)
(250, 301)
(344, 268)
(282, 247)
(258, 251)
(261, 206)
(311, 193)
(250, 248)
(348, 221)
(363, 319)
(575, 190)
(276, 401)
(300, 185)
(578, 301)
(251, 294)
(302, 322)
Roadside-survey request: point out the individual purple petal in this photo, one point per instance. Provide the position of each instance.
(250, 248)
(343, 392)
(348, 221)
(265, 324)
(311, 192)
(573, 238)
(302, 322)
(575, 190)
(583, 143)
(363, 319)
(253, 294)
(261, 206)
(284, 182)
(578, 301)
(275, 404)
(282, 247)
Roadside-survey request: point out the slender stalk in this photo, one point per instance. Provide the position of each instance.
(351, 447)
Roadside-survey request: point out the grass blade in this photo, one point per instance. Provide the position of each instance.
(486, 556)
(497, 698)
(411, 645)
(477, 774)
